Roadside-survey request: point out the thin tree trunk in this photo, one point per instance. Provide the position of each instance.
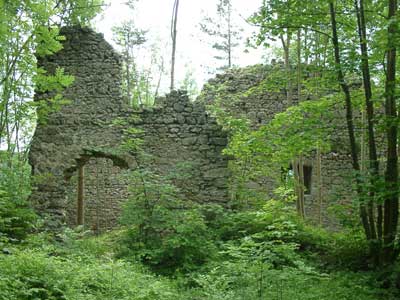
(128, 75)
(286, 49)
(128, 83)
(300, 161)
(391, 203)
(363, 151)
(301, 187)
(373, 157)
(296, 175)
(289, 98)
(229, 38)
(306, 57)
(159, 79)
(349, 118)
(5, 98)
(298, 73)
(318, 152)
(173, 35)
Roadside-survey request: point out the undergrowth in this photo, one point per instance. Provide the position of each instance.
(263, 254)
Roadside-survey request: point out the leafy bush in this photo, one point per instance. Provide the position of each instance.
(346, 249)
(164, 232)
(34, 275)
(16, 217)
(249, 281)
(267, 235)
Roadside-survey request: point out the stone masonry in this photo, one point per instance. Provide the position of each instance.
(89, 130)
(87, 134)
(260, 108)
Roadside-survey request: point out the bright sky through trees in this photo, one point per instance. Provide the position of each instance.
(193, 50)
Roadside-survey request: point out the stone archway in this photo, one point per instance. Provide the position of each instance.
(95, 191)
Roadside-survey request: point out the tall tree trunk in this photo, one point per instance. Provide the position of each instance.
(159, 80)
(229, 37)
(349, 119)
(391, 203)
(128, 83)
(372, 152)
(299, 186)
(128, 75)
(296, 175)
(173, 36)
(320, 63)
(286, 50)
(300, 160)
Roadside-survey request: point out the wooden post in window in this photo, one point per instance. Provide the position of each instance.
(80, 212)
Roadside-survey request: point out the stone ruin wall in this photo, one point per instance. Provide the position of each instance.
(261, 108)
(176, 131)
(84, 132)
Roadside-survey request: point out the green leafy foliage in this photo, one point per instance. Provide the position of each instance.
(164, 232)
(47, 40)
(363, 35)
(257, 249)
(53, 85)
(271, 253)
(57, 82)
(246, 281)
(263, 253)
(136, 83)
(189, 83)
(16, 217)
(27, 33)
(34, 275)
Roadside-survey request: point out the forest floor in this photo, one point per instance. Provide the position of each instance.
(79, 265)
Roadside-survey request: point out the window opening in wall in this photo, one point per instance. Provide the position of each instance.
(307, 170)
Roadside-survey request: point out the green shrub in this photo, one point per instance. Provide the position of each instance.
(163, 231)
(346, 249)
(241, 280)
(16, 217)
(267, 235)
(34, 275)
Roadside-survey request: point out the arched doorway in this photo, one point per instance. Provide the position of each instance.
(96, 190)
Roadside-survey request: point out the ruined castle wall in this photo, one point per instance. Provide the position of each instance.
(180, 131)
(90, 129)
(250, 93)
(179, 135)
(65, 137)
